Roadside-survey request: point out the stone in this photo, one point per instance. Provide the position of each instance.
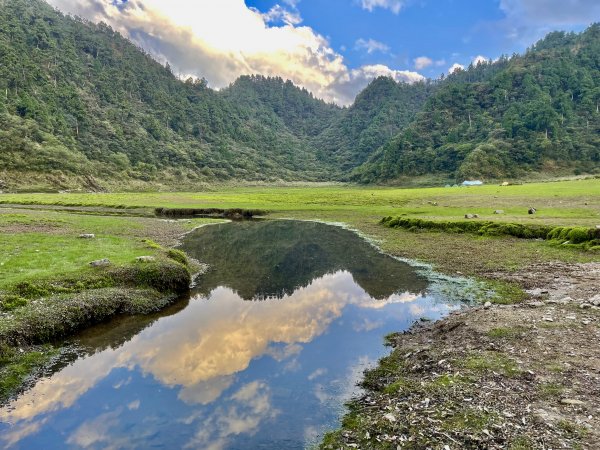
(87, 236)
(390, 417)
(595, 300)
(506, 183)
(100, 263)
(469, 216)
(487, 305)
(475, 216)
(571, 401)
(145, 259)
(499, 211)
(597, 227)
(532, 211)
(585, 306)
(536, 304)
(548, 319)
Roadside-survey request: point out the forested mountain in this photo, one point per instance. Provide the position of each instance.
(81, 105)
(80, 99)
(378, 113)
(535, 112)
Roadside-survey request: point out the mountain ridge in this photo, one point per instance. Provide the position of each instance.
(83, 106)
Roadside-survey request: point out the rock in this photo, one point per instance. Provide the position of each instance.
(597, 227)
(499, 211)
(595, 300)
(585, 306)
(487, 305)
(548, 319)
(571, 401)
(100, 263)
(390, 417)
(506, 183)
(87, 236)
(536, 304)
(476, 216)
(469, 216)
(145, 259)
(532, 211)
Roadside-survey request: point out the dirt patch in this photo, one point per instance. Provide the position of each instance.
(507, 376)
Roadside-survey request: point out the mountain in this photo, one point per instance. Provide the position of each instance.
(81, 99)
(81, 106)
(535, 112)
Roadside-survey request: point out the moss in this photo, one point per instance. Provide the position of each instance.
(572, 430)
(521, 443)
(492, 362)
(11, 302)
(61, 315)
(178, 255)
(506, 332)
(503, 292)
(550, 390)
(468, 419)
(573, 235)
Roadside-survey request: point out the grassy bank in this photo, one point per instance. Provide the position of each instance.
(49, 290)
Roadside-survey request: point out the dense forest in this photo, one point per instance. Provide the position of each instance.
(535, 112)
(80, 102)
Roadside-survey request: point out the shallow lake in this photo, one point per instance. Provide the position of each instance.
(263, 355)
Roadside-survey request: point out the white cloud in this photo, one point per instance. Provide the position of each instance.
(280, 14)
(393, 5)
(422, 62)
(479, 59)
(221, 40)
(454, 67)
(371, 46)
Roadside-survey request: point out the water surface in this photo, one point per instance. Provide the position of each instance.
(262, 356)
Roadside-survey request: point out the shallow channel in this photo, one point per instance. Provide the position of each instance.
(263, 355)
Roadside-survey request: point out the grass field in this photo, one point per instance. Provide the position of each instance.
(36, 243)
(565, 202)
(53, 234)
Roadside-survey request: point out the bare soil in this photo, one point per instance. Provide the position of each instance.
(503, 376)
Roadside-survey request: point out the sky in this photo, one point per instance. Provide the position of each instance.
(334, 48)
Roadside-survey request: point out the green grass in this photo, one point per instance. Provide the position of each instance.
(557, 202)
(42, 244)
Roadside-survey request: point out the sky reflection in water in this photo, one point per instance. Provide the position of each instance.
(226, 371)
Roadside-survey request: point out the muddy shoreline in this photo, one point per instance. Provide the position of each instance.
(502, 376)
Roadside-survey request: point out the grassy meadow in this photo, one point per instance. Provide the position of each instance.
(559, 203)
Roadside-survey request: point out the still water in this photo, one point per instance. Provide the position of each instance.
(262, 356)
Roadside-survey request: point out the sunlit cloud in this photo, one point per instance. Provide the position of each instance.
(221, 40)
(479, 60)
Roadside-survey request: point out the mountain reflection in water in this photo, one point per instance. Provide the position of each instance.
(221, 371)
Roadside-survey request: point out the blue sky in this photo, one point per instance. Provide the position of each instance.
(332, 47)
(453, 31)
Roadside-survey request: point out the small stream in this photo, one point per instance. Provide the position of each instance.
(263, 355)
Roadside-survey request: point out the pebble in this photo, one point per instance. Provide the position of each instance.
(390, 417)
(585, 306)
(487, 305)
(536, 304)
(87, 236)
(548, 319)
(100, 263)
(145, 259)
